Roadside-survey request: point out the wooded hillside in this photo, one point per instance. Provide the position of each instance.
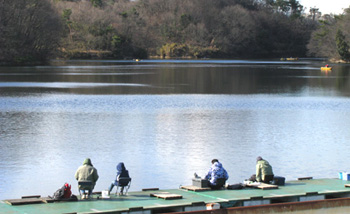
(185, 28)
(332, 38)
(31, 30)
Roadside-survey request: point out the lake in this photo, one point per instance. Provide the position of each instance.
(167, 119)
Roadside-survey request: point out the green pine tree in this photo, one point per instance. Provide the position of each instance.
(342, 46)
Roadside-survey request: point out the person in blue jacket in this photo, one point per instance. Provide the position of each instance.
(216, 171)
(121, 172)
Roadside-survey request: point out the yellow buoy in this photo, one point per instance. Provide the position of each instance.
(326, 68)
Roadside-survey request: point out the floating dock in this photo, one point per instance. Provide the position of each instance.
(151, 201)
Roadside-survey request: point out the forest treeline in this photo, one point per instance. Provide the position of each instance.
(332, 38)
(38, 30)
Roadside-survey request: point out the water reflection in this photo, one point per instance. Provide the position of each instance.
(174, 77)
(64, 85)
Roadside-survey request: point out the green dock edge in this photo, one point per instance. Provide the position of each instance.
(137, 201)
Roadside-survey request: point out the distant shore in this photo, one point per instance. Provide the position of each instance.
(104, 55)
(339, 61)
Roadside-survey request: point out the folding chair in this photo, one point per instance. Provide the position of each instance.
(124, 184)
(85, 186)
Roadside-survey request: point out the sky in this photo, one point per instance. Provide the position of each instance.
(326, 6)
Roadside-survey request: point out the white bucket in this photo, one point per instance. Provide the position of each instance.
(105, 194)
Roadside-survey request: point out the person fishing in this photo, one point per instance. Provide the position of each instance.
(121, 172)
(216, 172)
(264, 171)
(86, 172)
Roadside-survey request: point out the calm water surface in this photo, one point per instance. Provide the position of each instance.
(167, 119)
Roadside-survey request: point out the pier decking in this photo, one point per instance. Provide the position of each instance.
(180, 200)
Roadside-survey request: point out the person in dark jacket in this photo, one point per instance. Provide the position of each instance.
(121, 172)
(87, 172)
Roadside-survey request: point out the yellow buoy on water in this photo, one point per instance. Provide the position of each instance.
(326, 68)
(292, 59)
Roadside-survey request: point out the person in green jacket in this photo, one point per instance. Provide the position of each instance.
(86, 172)
(264, 171)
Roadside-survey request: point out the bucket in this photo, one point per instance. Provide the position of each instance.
(105, 194)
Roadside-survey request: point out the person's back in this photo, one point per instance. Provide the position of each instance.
(122, 172)
(264, 171)
(216, 171)
(87, 172)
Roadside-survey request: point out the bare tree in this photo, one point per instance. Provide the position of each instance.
(30, 30)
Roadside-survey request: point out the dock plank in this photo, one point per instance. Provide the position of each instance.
(31, 196)
(48, 200)
(267, 186)
(166, 195)
(262, 186)
(24, 201)
(305, 178)
(150, 189)
(195, 188)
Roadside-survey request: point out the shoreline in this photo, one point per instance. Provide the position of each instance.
(95, 55)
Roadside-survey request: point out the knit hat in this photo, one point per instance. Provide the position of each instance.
(258, 158)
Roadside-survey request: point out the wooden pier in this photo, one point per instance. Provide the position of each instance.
(184, 200)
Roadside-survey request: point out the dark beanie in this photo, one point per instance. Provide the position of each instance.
(259, 158)
(214, 161)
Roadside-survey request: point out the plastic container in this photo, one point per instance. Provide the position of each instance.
(198, 182)
(105, 194)
(344, 176)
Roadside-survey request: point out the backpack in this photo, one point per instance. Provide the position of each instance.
(235, 186)
(63, 192)
(67, 191)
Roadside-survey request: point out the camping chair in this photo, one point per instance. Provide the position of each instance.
(85, 185)
(124, 184)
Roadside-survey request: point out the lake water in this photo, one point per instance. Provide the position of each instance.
(166, 119)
